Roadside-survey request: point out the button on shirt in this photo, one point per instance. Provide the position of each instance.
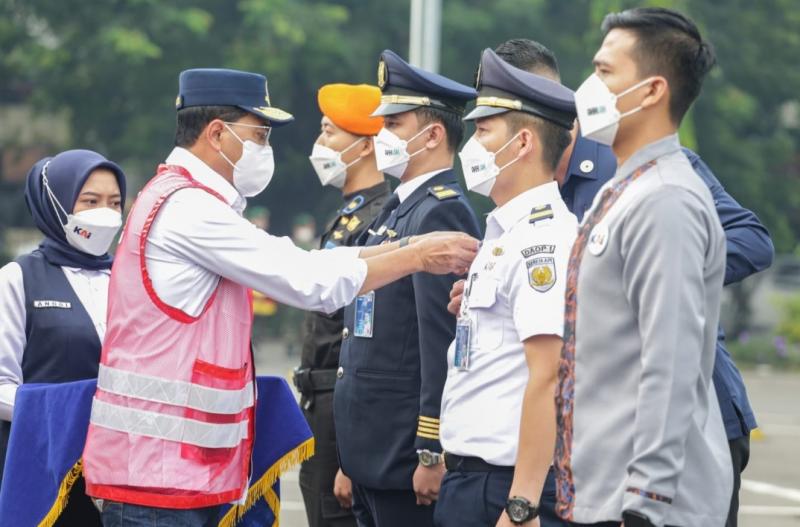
(508, 299)
(91, 288)
(197, 238)
(590, 166)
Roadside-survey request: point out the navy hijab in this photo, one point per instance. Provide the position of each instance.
(66, 173)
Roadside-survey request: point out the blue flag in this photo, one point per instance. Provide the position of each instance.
(49, 431)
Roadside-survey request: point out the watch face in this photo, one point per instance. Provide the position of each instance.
(425, 458)
(517, 510)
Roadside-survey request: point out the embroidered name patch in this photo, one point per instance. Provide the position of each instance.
(537, 249)
(43, 304)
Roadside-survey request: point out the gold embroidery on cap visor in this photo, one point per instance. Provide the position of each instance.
(499, 102)
(406, 99)
(382, 74)
(272, 113)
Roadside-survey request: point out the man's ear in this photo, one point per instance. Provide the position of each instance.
(529, 142)
(213, 133)
(367, 147)
(435, 135)
(657, 91)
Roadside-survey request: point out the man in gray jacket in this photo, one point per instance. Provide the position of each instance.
(640, 433)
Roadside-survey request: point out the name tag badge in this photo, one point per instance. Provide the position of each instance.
(462, 351)
(598, 239)
(44, 304)
(365, 313)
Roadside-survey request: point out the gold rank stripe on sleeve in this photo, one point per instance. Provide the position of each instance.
(428, 427)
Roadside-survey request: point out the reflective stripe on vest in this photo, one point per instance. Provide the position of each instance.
(168, 427)
(176, 393)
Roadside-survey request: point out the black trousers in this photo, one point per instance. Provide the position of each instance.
(740, 455)
(389, 508)
(477, 499)
(317, 474)
(80, 511)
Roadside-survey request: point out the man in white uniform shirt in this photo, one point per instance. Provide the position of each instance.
(180, 317)
(503, 363)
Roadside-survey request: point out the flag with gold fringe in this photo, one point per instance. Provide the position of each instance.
(49, 430)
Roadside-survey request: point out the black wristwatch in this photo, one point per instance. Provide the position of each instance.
(520, 510)
(636, 519)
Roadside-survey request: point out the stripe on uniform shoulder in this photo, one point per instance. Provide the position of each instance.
(543, 212)
(441, 192)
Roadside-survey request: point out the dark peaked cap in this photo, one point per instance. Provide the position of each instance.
(406, 87)
(503, 88)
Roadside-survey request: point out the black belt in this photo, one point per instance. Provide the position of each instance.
(471, 464)
(308, 380)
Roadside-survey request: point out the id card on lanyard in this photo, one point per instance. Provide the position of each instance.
(365, 314)
(463, 347)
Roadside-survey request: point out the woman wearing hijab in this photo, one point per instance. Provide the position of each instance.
(53, 300)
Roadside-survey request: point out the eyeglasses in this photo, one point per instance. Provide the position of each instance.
(262, 135)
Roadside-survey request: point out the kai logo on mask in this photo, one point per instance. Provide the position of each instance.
(83, 233)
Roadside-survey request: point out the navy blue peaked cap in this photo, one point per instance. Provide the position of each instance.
(223, 87)
(406, 87)
(504, 88)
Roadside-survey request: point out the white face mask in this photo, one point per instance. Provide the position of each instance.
(91, 231)
(328, 164)
(479, 167)
(391, 152)
(597, 109)
(253, 172)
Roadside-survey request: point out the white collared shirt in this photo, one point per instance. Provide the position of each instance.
(91, 288)
(515, 291)
(196, 239)
(404, 190)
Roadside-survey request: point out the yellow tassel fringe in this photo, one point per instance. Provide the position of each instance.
(263, 487)
(63, 495)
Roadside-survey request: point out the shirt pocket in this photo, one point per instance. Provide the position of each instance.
(487, 322)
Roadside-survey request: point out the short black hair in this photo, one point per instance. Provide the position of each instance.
(530, 56)
(193, 120)
(554, 138)
(451, 121)
(667, 43)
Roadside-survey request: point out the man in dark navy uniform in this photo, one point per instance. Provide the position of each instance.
(587, 165)
(343, 157)
(392, 365)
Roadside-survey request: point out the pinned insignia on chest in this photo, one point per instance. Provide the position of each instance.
(354, 205)
(541, 213)
(541, 273)
(353, 223)
(46, 304)
(442, 192)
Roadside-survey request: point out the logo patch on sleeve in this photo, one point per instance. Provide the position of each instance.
(541, 273)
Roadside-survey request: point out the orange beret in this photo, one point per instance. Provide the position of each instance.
(349, 107)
